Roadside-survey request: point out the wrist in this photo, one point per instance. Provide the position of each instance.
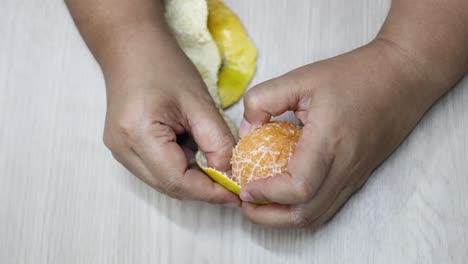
(134, 48)
(413, 70)
(433, 39)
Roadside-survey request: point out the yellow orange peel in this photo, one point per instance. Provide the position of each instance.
(237, 51)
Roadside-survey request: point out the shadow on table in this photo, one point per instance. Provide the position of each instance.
(190, 215)
(286, 242)
(208, 221)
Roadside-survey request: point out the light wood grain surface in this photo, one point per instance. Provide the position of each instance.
(63, 199)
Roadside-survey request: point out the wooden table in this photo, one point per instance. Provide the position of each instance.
(63, 199)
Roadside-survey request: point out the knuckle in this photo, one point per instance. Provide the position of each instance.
(211, 198)
(117, 157)
(304, 190)
(222, 140)
(249, 213)
(227, 140)
(166, 188)
(126, 127)
(252, 98)
(123, 131)
(174, 196)
(118, 134)
(109, 142)
(163, 132)
(221, 159)
(299, 219)
(171, 187)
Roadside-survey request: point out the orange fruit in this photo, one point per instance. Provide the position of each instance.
(264, 152)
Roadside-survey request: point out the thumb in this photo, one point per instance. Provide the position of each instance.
(212, 134)
(271, 98)
(306, 172)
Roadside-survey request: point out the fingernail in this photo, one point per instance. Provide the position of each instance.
(232, 205)
(244, 128)
(246, 197)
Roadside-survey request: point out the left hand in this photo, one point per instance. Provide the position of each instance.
(356, 109)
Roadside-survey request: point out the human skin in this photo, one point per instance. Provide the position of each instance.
(356, 108)
(154, 96)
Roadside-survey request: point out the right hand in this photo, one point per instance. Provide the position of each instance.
(149, 105)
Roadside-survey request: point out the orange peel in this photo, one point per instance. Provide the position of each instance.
(220, 177)
(237, 51)
(213, 38)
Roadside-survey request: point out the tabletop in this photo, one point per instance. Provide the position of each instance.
(63, 199)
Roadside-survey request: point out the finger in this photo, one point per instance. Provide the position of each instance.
(170, 171)
(307, 169)
(296, 216)
(286, 216)
(202, 188)
(273, 215)
(212, 135)
(311, 215)
(280, 216)
(345, 193)
(126, 156)
(334, 208)
(135, 165)
(268, 99)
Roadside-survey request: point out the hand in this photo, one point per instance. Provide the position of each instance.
(154, 95)
(356, 109)
(150, 104)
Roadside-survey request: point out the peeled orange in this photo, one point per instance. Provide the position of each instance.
(262, 153)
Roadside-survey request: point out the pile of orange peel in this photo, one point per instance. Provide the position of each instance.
(213, 38)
